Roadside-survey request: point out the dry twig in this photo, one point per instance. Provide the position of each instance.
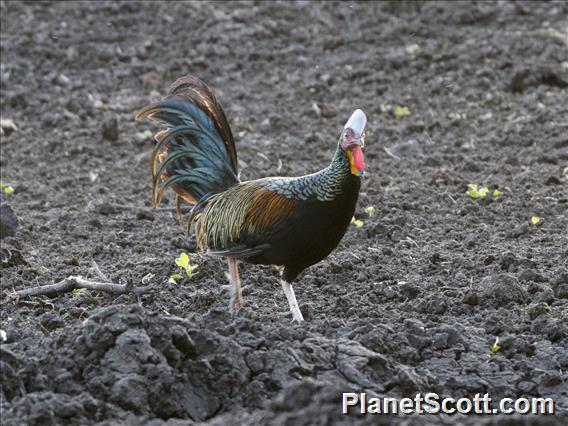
(76, 281)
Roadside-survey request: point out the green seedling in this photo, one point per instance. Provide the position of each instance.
(401, 111)
(371, 211)
(185, 266)
(6, 188)
(174, 278)
(496, 347)
(80, 292)
(358, 223)
(535, 220)
(475, 193)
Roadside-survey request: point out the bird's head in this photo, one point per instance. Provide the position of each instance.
(352, 140)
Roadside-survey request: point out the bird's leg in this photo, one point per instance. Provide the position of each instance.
(289, 292)
(235, 283)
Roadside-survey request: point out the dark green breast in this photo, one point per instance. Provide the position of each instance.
(318, 222)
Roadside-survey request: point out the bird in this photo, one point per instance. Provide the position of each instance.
(291, 223)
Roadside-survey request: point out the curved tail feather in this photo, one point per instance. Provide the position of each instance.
(196, 155)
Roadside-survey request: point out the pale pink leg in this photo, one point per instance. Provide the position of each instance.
(235, 282)
(294, 308)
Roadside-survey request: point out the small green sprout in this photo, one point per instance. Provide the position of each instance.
(144, 136)
(185, 266)
(496, 347)
(475, 193)
(371, 211)
(358, 223)
(401, 111)
(80, 292)
(174, 278)
(535, 220)
(6, 188)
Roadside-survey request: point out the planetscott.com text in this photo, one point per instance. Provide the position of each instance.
(432, 403)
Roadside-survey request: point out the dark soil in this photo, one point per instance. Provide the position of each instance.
(410, 302)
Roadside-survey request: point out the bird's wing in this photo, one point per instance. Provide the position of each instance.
(242, 219)
(240, 251)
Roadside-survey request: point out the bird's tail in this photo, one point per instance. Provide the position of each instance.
(196, 154)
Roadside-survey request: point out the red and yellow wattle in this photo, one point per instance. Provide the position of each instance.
(356, 160)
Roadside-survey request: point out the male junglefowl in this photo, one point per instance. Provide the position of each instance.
(289, 222)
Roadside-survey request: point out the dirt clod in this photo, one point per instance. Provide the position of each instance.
(8, 221)
(110, 129)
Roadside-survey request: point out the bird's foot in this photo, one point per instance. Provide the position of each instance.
(297, 316)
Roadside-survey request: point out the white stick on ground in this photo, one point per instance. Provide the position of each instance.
(76, 281)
